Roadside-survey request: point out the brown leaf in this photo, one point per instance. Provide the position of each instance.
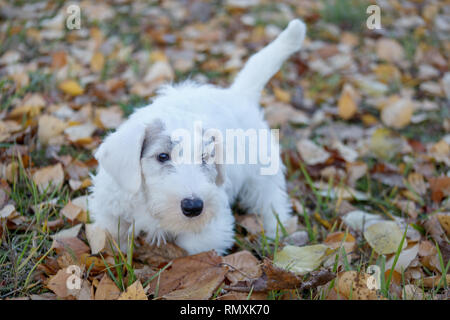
(70, 244)
(107, 289)
(156, 255)
(352, 284)
(440, 188)
(60, 283)
(192, 277)
(273, 278)
(244, 266)
(251, 222)
(49, 176)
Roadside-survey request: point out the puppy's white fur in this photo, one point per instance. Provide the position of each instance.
(133, 187)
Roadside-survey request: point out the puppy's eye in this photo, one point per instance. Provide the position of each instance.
(163, 157)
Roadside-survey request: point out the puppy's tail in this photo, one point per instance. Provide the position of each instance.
(263, 65)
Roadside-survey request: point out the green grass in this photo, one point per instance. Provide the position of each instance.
(348, 14)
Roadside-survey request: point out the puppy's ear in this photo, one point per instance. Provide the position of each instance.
(120, 155)
(220, 178)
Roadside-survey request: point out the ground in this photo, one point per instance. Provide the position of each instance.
(364, 118)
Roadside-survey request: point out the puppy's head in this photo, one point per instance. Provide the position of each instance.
(183, 197)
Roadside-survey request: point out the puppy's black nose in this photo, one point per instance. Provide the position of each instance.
(191, 207)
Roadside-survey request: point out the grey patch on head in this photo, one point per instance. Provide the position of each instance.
(152, 133)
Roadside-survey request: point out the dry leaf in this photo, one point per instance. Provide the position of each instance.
(49, 176)
(397, 113)
(311, 153)
(96, 237)
(67, 233)
(390, 50)
(347, 104)
(353, 285)
(243, 265)
(155, 255)
(71, 211)
(107, 289)
(444, 220)
(59, 283)
(71, 87)
(49, 128)
(192, 277)
(405, 258)
(73, 245)
(384, 236)
(301, 260)
(134, 292)
(97, 62)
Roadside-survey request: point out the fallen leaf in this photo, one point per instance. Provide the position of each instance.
(301, 260)
(192, 277)
(440, 188)
(71, 211)
(244, 266)
(251, 222)
(7, 211)
(311, 153)
(96, 237)
(404, 259)
(71, 87)
(155, 255)
(417, 182)
(444, 220)
(97, 62)
(49, 127)
(80, 132)
(347, 104)
(49, 178)
(107, 289)
(64, 283)
(384, 236)
(353, 285)
(397, 113)
(67, 233)
(134, 292)
(390, 50)
(385, 144)
(72, 245)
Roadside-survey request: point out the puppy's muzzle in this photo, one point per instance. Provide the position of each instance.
(191, 207)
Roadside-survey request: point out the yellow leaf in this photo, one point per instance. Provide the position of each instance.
(134, 292)
(97, 62)
(368, 119)
(444, 220)
(301, 260)
(282, 95)
(71, 87)
(347, 106)
(386, 72)
(384, 237)
(384, 143)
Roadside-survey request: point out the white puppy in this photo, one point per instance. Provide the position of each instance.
(140, 183)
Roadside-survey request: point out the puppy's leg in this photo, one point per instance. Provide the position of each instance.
(266, 196)
(264, 64)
